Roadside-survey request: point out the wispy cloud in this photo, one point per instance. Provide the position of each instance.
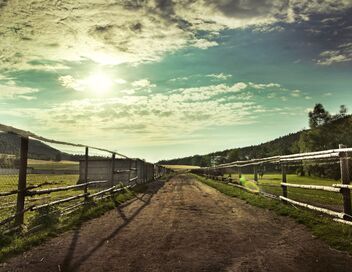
(110, 32)
(160, 118)
(335, 56)
(143, 84)
(220, 76)
(10, 90)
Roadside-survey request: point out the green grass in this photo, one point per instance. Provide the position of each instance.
(270, 183)
(180, 167)
(14, 244)
(338, 236)
(53, 165)
(9, 183)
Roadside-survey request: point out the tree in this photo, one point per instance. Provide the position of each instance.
(343, 111)
(319, 116)
(233, 155)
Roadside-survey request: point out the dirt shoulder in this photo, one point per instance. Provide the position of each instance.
(184, 225)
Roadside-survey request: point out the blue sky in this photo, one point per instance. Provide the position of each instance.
(162, 79)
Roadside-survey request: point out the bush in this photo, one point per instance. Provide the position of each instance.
(45, 217)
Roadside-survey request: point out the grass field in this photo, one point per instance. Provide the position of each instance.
(53, 165)
(270, 183)
(12, 244)
(9, 183)
(180, 167)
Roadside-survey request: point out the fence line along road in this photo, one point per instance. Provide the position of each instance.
(319, 158)
(129, 171)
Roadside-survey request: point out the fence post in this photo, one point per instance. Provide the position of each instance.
(22, 182)
(345, 179)
(255, 174)
(284, 180)
(112, 168)
(86, 158)
(239, 173)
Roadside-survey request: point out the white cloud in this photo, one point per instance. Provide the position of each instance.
(113, 32)
(70, 82)
(263, 85)
(159, 117)
(334, 56)
(9, 90)
(296, 93)
(179, 79)
(204, 44)
(120, 81)
(220, 76)
(143, 84)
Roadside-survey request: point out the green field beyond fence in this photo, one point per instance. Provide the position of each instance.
(9, 183)
(271, 184)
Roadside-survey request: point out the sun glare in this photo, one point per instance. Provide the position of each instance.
(99, 83)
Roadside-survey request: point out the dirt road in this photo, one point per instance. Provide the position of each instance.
(183, 225)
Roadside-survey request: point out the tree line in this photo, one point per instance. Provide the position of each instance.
(326, 131)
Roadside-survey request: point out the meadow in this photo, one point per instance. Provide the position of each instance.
(180, 167)
(270, 183)
(52, 165)
(9, 183)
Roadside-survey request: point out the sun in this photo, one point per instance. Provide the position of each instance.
(99, 83)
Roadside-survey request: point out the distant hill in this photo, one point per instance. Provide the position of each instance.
(327, 136)
(10, 144)
(283, 145)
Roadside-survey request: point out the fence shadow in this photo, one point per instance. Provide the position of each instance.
(70, 265)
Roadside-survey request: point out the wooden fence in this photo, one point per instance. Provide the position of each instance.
(142, 172)
(344, 188)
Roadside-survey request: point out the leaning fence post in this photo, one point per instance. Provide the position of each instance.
(86, 158)
(284, 180)
(345, 179)
(255, 174)
(22, 182)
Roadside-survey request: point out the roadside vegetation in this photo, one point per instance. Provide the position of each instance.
(338, 236)
(270, 183)
(52, 225)
(9, 183)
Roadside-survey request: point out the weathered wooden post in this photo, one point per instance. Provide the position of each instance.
(345, 179)
(255, 174)
(112, 169)
(130, 171)
(86, 158)
(284, 180)
(22, 182)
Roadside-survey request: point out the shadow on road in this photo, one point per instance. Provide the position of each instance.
(69, 265)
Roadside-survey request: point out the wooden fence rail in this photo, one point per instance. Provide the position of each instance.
(138, 171)
(344, 188)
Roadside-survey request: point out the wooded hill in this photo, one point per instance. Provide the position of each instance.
(326, 132)
(10, 145)
(280, 146)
